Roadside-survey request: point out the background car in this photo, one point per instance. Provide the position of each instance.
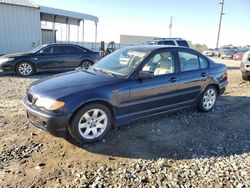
(169, 41)
(228, 53)
(239, 55)
(154, 80)
(245, 66)
(49, 57)
(209, 52)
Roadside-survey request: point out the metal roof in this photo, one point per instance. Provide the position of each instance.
(25, 3)
(66, 13)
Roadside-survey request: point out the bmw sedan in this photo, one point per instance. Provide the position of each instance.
(49, 57)
(127, 85)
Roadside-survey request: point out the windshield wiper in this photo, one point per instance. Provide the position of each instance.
(105, 71)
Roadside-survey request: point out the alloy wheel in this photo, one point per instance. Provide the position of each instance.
(93, 123)
(25, 69)
(209, 99)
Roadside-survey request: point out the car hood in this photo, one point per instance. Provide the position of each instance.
(70, 82)
(16, 55)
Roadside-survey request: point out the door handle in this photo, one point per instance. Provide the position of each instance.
(173, 79)
(203, 74)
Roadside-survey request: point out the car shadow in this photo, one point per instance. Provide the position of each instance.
(233, 68)
(183, 135)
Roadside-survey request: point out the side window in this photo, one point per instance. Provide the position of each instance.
(47, 50)
(188, 61)
(182, 43)
(160, 64)
(57, 50)
(203, 62)
(166, 43)
(71, 50)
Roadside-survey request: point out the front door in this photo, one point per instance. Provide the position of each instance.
(50, 58)
(156, 94)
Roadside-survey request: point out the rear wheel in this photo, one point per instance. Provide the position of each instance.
(24, 68)
(85, 64)
(208, 99)
(90, 124)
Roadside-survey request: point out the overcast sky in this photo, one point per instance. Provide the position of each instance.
(194, 20)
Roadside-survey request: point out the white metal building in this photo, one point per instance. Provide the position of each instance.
(20, 24)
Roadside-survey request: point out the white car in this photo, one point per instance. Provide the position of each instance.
(209, 52)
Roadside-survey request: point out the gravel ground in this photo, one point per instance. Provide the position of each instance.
(184, 149)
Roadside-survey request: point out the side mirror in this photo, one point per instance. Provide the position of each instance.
(146, 74)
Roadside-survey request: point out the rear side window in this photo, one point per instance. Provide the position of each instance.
(182, 43)
(188, 61)
(203, 62)
(166, 43)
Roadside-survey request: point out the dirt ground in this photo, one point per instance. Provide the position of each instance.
(184, 149)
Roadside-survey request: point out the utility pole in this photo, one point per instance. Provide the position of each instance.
(221, 14)
(170, 27)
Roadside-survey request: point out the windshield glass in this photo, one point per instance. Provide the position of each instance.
(36, 49)
(121, 62)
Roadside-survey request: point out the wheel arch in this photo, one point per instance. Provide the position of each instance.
(24, 60)
(103, 102)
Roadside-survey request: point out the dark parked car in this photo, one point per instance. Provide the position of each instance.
(245, 66)
(129, 84)
(49, 57)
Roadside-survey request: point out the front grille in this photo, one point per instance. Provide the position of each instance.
(30, 97)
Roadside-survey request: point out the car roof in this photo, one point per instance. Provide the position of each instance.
(151, 48)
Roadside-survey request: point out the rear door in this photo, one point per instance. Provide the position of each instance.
(72, 56)
(193, 74)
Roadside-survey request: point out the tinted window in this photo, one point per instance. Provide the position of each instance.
(166, 43)
(71, 49)
(57, 49)
(162, 63)
(188, 61)
(47, 50)
(182, 43)
(203, 62)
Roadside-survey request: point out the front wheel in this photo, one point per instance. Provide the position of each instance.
(90, 124)
(85, 64)
(25, 69)
(207, 99)
(246, 78)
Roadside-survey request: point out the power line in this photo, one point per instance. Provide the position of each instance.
(221, 14)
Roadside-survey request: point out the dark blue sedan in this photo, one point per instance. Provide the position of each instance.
(48, 57)
(129, 84)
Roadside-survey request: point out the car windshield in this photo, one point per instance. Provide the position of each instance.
(36, 49)
(121, 62)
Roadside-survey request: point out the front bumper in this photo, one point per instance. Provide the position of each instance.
(5, 67)
(54, 123)
(245, 68)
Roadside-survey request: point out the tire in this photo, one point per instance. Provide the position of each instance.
(207, 99)
(85, 64)
(90, 124)
(25, 68)
(246, 78)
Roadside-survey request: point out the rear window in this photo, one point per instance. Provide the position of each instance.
(166, 43)
(182, 43)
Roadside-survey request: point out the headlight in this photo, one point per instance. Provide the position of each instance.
(5, 59)
(49, 104)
